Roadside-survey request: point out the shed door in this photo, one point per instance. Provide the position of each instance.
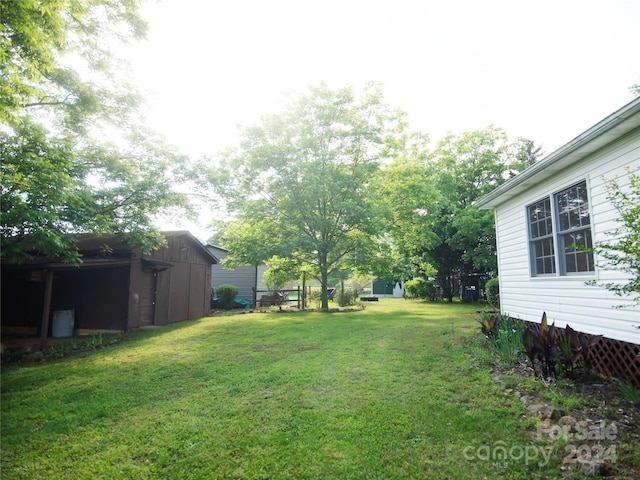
(148, 298)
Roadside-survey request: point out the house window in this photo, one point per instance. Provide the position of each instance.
(562, 226)
(574, 229)
(541, 238)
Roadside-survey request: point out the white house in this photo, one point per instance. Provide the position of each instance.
(559, 203)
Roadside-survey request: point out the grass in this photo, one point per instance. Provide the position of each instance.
(383, 393)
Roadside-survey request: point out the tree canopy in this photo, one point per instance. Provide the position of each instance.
(62, 96)
(299, 183)
(430, 195)
(335, 183)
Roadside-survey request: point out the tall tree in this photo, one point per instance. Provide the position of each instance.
(408, 200)
(298, 184)
(61, 96)
(430, 197)
(466, 167)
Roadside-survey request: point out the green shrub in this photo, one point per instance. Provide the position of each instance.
(226, 295)
(346, 297)
(504, 334)
(507, 341)
(492, 287)
(419, 287)
(628, 391)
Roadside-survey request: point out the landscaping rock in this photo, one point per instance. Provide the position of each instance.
(568, 420)
(541, 411)
(592, 468)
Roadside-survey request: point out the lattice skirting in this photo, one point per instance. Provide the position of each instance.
(617, 359)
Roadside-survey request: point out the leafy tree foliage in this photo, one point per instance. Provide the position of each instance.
(622, 251)
(299, 183)
(430, 202)
(407, 199)
(61, 96)
(465, 168)
(42, 40)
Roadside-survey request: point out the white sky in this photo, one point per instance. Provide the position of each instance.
(546, 70)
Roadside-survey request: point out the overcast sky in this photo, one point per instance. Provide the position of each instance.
(546, 70)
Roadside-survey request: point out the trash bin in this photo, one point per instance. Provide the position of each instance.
(62, 325)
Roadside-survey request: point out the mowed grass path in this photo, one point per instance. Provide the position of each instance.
(382, 393)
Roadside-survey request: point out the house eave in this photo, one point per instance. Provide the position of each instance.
(611, 128)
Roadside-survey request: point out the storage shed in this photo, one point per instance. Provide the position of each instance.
(115, 288)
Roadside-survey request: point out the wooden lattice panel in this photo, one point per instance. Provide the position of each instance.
(617, 359)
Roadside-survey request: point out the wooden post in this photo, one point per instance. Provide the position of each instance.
(46, 309)
(304, 290)
(254, 305)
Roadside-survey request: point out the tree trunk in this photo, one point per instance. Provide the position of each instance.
(324, 280)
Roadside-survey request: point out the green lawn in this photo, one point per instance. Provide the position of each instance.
(382, 393)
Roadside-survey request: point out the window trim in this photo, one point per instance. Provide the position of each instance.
(558, 254)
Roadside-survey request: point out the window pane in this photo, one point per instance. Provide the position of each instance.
(544, 256)
(577, 256)
(583, 262)
(572, 207)
(535, 230)
(573, 218)
(549, 228)
(550, 265)
(574, 231)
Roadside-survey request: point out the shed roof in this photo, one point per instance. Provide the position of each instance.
(121, 250)
(604, 132)
(200, 247)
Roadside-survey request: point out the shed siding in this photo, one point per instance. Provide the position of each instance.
(198, 282)
(566, 299)
(182, 289)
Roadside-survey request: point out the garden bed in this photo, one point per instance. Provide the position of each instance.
(585, 422)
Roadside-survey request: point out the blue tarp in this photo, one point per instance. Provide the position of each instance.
(242, 303)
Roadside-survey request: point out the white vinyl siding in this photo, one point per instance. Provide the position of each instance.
(565, 298)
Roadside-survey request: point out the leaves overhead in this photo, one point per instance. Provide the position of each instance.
(62, 94)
